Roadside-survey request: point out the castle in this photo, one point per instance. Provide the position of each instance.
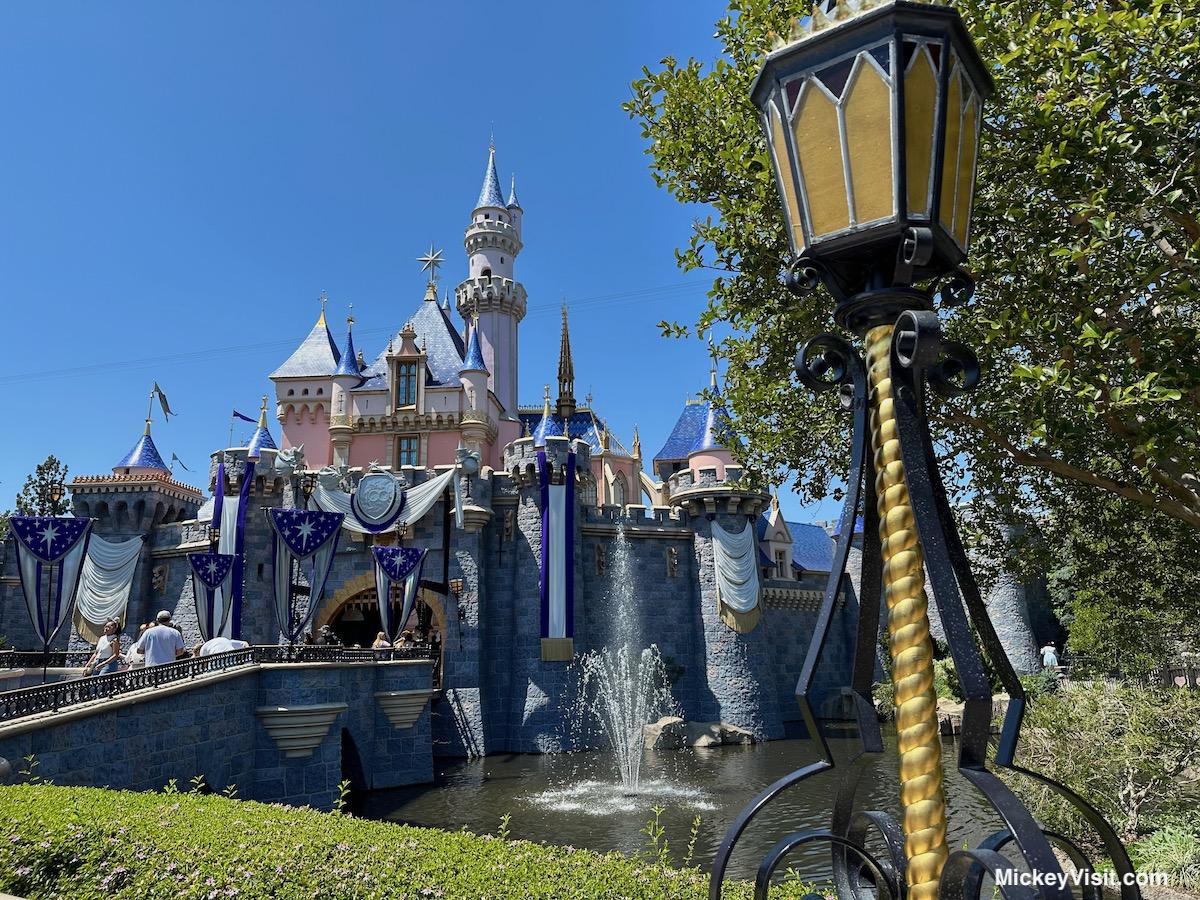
(435, 393)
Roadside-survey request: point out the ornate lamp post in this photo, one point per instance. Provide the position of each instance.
(872, 115)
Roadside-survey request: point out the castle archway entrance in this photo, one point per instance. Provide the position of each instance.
(353, 614)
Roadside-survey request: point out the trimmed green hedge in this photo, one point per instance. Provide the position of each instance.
(84, 843)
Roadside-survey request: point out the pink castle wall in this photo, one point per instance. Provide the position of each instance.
(312, 432)
(369, 448)
(443, 448)
(718, 460)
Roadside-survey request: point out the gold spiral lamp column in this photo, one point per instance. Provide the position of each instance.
(921, 791)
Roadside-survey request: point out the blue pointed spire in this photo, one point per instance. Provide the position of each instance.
(261, 440)
(513, 203)
(490, 194)
(144, 455)
(348, 364)
(548, 426)
(474, 358)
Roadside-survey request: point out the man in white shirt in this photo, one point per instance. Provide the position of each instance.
(161, 644)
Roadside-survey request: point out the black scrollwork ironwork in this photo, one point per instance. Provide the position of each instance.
(921, 359)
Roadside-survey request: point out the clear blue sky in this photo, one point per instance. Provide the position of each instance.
(179, 182)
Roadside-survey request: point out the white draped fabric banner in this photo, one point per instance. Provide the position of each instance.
(106, 579)
(418, 501)
(735, 559)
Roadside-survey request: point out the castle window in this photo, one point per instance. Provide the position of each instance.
(406, 384)
(781, 564)
(502, 260)
(486, 273)
(487, 215)
(733, 473)
(304, 393)
(320, 391)
(291, 392)
(618, 490)
(407, 449)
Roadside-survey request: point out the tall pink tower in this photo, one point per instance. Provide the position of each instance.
(492, 242)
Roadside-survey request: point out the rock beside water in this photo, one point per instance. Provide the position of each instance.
(673, 733)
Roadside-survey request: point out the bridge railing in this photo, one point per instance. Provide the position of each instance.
(35, 659)
(53, 696)
(56, 695)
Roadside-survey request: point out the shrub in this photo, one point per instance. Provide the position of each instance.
(94, 844)
(1174, 851)
(1123, 749)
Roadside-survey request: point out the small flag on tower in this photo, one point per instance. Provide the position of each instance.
(238, 415)
(176, 459)
(162, 401)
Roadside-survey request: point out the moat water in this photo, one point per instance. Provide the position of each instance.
(537, 791)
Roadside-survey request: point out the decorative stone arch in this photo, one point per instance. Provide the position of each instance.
(352, 589)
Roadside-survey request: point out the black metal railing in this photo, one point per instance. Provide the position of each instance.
(272, 653)
(57, 695)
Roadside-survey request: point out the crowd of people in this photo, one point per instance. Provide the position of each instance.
(157, 643)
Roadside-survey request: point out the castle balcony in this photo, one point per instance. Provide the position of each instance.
(492, 233)
(491, 293)
(704, 493)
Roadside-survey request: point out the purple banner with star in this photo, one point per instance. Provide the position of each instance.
(307, 538)
(211, 573)
(50, 555)
(396, 565)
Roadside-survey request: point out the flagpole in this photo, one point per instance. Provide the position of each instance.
(232, 419)
(150, 407)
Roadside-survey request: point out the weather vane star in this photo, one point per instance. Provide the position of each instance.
(430, 262)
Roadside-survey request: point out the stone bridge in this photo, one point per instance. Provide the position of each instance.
(277, 732)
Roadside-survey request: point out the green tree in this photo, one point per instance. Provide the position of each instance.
(1086, 252)
(37, 494)
(1126, 585)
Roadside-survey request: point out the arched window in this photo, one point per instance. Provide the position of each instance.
(486, 273)
(320, 391)
(291, 392)
(304, 393)
(618, 490)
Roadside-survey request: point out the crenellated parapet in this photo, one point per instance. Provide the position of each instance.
(521, 456)
(708, 494)
(491, 293)
(125, 504)
(267, 481)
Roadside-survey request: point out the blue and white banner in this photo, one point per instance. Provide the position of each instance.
(211, 574)
(396, 565)
(406, 506)
(50, 555)
(229, 515)
(558, 550)
(311, 538)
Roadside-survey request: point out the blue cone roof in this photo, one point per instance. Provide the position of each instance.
(261, 440)
(144, 455)
(701, 426)
(513, 203)
(549, 425)
(490, 195)
(582, 426)
(348, 365)
(474, 358)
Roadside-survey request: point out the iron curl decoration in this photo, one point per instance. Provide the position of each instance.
(804, 276)
(955, 289)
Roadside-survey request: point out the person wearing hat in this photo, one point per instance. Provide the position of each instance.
(161, 644)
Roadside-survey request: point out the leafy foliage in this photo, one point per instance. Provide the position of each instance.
(1086, 252)
(1123, 749)
(1127, 588)
(91, 844)
(37, 494)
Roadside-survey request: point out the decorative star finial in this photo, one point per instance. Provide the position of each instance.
(350, 317)
(546, 396)
(264, 403)
(430, 262)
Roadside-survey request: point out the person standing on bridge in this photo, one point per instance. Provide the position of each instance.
(162, 644)
(107, 656)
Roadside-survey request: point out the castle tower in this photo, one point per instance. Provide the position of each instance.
(474, 378)
(492, 242)
(566, 372)
(345, 377)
